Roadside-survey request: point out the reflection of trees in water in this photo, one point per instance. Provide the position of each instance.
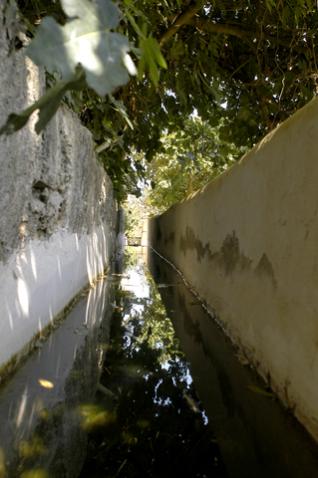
(160, 429)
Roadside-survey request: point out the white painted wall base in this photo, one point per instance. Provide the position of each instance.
(41, 279)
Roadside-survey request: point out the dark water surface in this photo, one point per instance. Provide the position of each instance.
(139, 381)
(185, 406)
(157, 426)
(257, 437)
(45, 409)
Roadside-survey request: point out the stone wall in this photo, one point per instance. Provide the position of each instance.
(58, 213)
(247, 243)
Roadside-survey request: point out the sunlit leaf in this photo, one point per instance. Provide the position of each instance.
(46, 383)
(120, 108)
(104, 11)
(84, 40)
(151, 59)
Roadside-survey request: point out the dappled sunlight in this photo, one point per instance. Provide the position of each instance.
(34, 90)
(51, 316)
(40, 326)
(22, 408)
(33, 265)
(59, 268)
(40, 281)
(24, 265)
(96, 252)
(76, 242)
(22, 297)
(88, 266)
(95, 305)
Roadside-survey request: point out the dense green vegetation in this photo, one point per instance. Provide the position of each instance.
(187, 159)
(242, 66)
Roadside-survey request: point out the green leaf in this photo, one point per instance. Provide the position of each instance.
(158, 56)
(151, 59)
(103, 11)
(120, 108)
(134, 24)
(85, 40)
(47, 105)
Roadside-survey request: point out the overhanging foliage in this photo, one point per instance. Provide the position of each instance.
(251, 63)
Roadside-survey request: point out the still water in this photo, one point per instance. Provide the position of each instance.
(182, 404)
(157, 426)
(139, 381)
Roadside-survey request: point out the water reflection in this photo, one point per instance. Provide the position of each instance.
(161, 429)
(45, 408)
(256, 436)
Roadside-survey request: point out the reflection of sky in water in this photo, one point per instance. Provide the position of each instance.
(161, 428)
(135, 281)
(143, 295)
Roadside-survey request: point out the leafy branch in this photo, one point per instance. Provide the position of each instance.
(47, 105)
(84, 52)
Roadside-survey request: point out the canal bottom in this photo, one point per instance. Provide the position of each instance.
(147, 418)
(175, 398)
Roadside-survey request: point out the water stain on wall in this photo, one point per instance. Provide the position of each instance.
(229, 258)
(170, 238)
(190, 242)
(265, 269)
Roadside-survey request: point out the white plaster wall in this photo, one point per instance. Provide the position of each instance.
(38, 281)
(248, 244)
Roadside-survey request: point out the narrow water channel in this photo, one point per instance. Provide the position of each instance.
(139, 381)
(155, 425)
(166, 354)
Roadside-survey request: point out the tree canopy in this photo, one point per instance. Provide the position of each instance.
(242, 66)
(187, 159)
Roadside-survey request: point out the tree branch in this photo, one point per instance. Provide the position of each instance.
(189, 17)
(210, 27)
(247, 36)
(184, 18)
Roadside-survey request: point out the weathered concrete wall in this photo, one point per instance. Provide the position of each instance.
(247, 243)
(58, 214)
